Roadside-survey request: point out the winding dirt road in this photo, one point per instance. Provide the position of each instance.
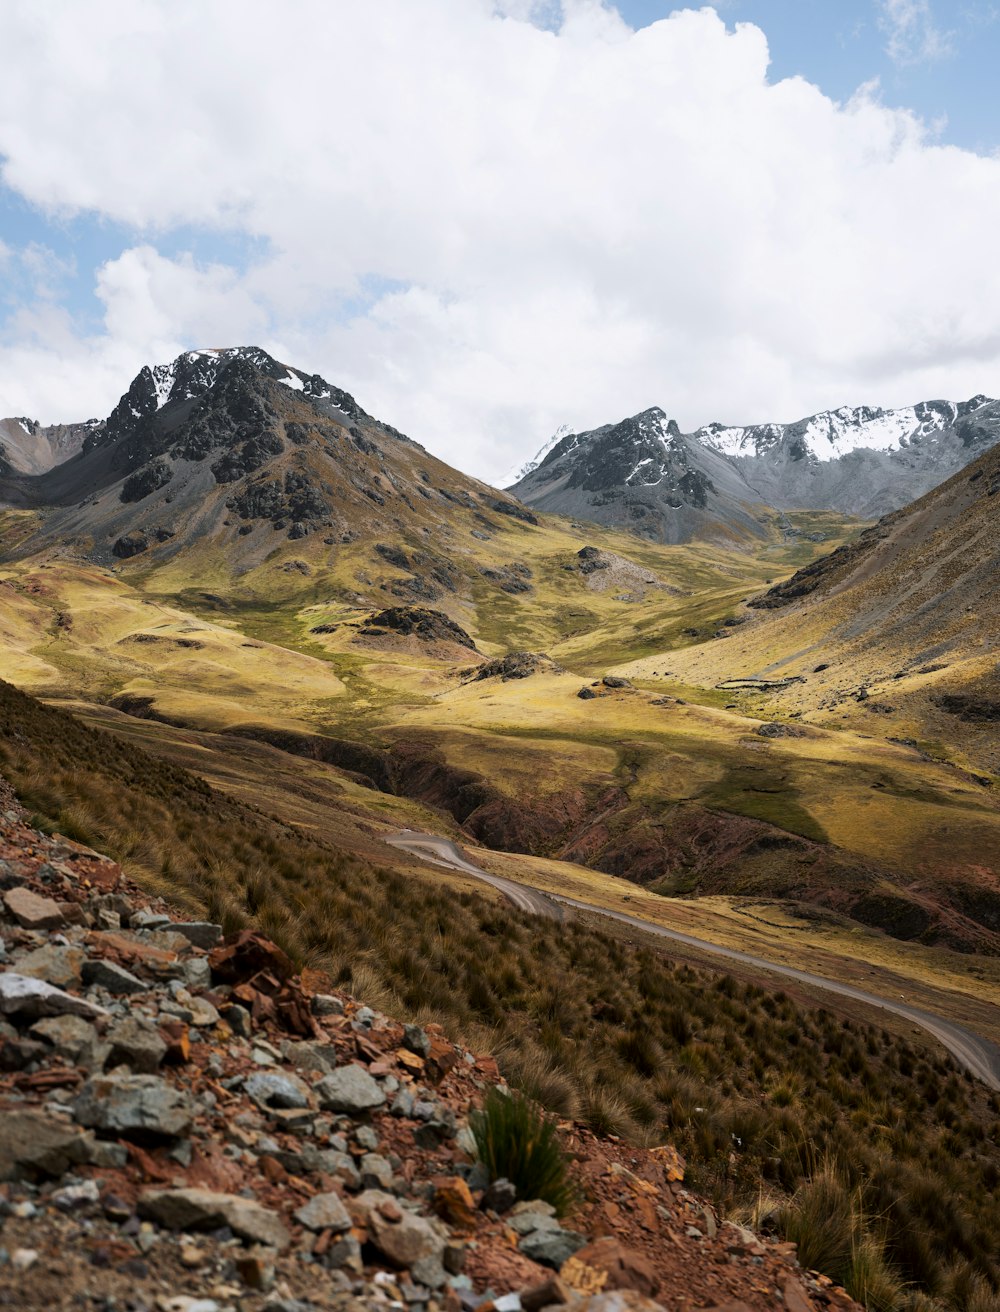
(975, 1054)
(443, 852)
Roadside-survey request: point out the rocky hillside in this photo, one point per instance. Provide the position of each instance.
(188, 1124)
(28, 447)
(645, 474)
(234, 452)
(897, 628)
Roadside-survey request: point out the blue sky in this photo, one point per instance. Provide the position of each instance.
(486, 227)
(841, 44)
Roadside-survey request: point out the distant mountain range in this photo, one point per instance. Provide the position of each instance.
(232, 438)
(231, 447)
(645, 474)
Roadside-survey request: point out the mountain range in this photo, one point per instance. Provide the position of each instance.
(644, 474)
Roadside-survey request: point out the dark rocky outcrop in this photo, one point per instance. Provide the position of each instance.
(971, 707)
(514, 510)
(130, 544)
(428, 625)
(516, 665)
(514, 578)
(151, 478)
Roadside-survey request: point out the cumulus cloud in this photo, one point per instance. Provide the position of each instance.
(486, 219)
(912, 35)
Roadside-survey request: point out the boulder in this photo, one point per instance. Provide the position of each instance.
(324, 1212)
(623, 1267)
(349, 1089)
(32, 911)
(71, 1037)
(133, 1105)
(136, 1043)
(401, 1236)
(273, 1089)
(201, 933)
(56, 964)
(311, 1056)
(34, 1143)
(30, 999)
(113, 979)
(551, 1247)
(204, 1209)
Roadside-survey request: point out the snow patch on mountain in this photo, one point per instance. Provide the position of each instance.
(526, 467)
(835, 433)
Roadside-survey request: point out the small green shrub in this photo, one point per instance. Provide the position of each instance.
(517, 1141)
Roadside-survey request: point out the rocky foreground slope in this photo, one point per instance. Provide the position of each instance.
(187, 1125)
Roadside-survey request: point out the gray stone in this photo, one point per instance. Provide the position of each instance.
(309, 1056)
(552, 1247)
(321, 1161)
(31, 911)
(34, 1143)
(102, 1153)
(204, 1209)
(136, 1043)
(538, 1205)
(196, 972)
(324, 1212)
(499, 1197)
(325, 1004)
(376, 1173)
(113, 979)
(76, 1196)
(417, 1040)
(274, 1089)
(366, 1138)
(71, 1037)
(30, 999)
(133, 1105)
(403, 1104)
(148, 920)
(55, 964)
(404, 1241)
(528, 1222)
(239, 1020)
(199, 932)
(430, 1272)
(620, 1300)
(349, 1089)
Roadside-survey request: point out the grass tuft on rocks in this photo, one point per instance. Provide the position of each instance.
(516, 1141)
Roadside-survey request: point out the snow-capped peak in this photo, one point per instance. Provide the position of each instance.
(835, 433)
(523, 470)
(193, 372)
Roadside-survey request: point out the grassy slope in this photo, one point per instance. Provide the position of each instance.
(215, 652)
(751, 1086)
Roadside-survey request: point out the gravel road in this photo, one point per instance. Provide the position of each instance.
(975, 1054)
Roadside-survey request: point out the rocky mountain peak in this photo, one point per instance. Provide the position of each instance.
(860, 460)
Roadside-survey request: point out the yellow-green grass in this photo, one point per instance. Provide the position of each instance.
(321, 802)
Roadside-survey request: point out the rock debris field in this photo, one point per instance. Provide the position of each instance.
(186, 1125)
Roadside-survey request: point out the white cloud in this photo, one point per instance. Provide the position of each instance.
(484, 228)
(912, 35)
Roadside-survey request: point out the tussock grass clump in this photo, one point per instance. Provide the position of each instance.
(518, 1142)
